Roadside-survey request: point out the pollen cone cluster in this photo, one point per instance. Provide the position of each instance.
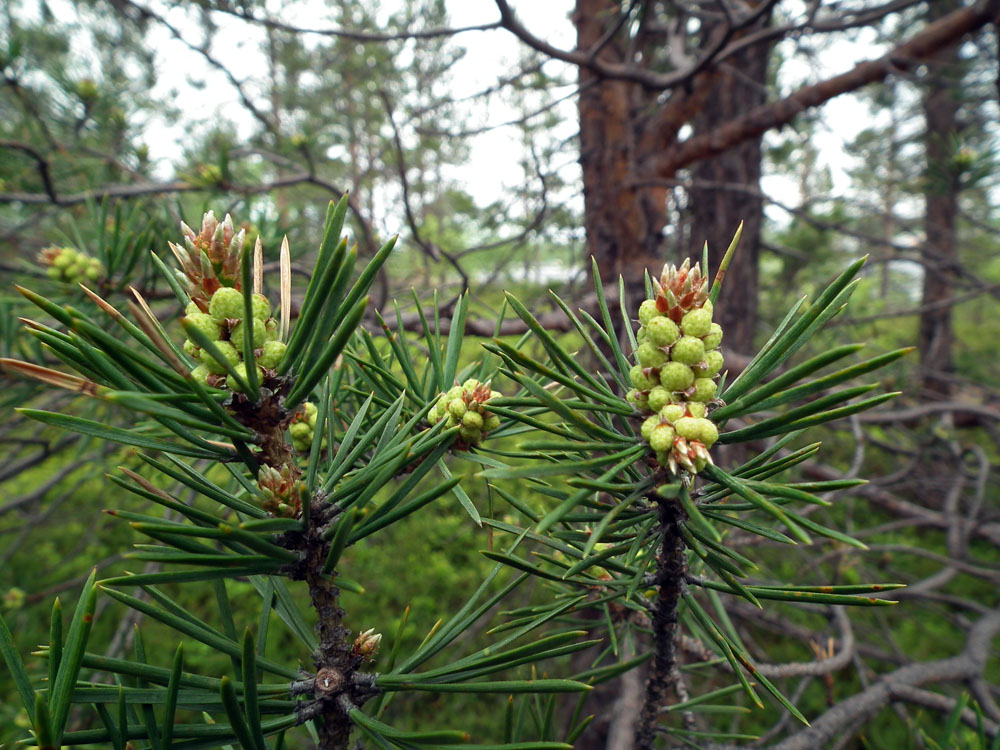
(465, 406)
(303, 427)
(70, 265)
(224, 325)
(678, 363)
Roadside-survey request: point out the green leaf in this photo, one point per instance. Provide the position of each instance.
(380, 521)
(288, 610)
(45, 734)
(342, 532)
(201, 339)
(199, 735)
(460, 494)
(303, 387)
(455, 335)
(720, 275)
(561, 467)
(55, 641)
(198, 631)
(742, 405)
(609, 327)
(332, 311)
(809, 597)
(781, 424)
(119, 435)
(773, 354)
(718, 637)
(250, 700)
(755, 498)
(595, 350)
(114, 736)
(391, 683)
(15, 666)
(61, 693)
(323, 274)
(439, 737)
(236, 719)
(566, 361)
(173, 687)
(187, 576)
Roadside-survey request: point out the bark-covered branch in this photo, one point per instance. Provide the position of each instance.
(903, 57)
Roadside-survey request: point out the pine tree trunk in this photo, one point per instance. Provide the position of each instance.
(624, 223)
(941, 105)
(726, 191)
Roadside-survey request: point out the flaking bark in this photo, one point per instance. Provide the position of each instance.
(670, 571)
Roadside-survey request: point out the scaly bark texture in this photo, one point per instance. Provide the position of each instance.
(624, 222)
(631, 148)
(670, 570)
(726, 189)
(940, 252)
(624, 128)
(333, 655)
(338, 684)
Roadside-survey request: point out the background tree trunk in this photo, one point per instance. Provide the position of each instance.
(624, 222)
(726, 190)
(941, 105)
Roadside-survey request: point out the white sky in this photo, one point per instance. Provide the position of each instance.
(494, 157)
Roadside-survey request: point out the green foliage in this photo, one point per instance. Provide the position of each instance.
(597, 526)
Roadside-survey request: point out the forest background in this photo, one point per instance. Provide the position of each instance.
(634, 133)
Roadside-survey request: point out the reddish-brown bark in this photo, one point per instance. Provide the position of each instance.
(941, 104)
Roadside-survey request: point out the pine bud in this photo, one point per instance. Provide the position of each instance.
(661, 438)
(714, 337)
(271, 354)
(229, 353)
(658, 398)
(641, 379)
(471, 435)
(711, 366)
(672, 413)
(258, 332)
(367, 643)
(688, 350)
(201, 373)
(206, 324)
(696, 322)
(704, 390)
(675, 376)
(651, 356)
(271, 326)
(648, 426)
(647, 311)
(260, 307)
(696, 409)
(662, 331)
(457, 408)
(241, 370)
(226, 304)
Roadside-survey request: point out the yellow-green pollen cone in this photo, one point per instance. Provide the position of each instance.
(464, 406)
(302, 427)
(677, 368)
(224, 325)
(71, 266)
